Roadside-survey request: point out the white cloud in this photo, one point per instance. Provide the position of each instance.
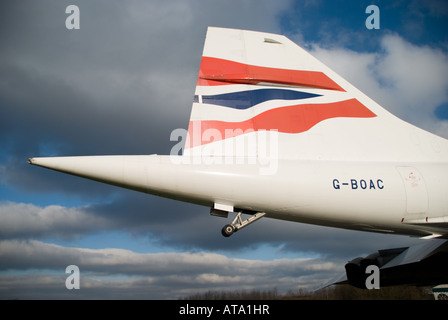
(406, 79)
(108, 272)
(28, 220)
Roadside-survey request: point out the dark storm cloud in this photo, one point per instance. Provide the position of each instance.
(107, 88)
(98, 89)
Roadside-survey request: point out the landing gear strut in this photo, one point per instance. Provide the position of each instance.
(239, 223)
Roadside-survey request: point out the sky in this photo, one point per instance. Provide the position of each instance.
(120, 84)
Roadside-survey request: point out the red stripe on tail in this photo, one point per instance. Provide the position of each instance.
(215, 71)
(289, 119)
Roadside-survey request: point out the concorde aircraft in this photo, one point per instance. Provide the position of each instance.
(274, 133)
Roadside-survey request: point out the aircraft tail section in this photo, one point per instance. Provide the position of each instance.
(260, 94)
(261, 98)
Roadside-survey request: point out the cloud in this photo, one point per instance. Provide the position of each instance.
(172, 224)
(417, 75)
(20, 220)
(144, 275)
(406, 79)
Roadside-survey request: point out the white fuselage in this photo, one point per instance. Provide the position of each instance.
(402, 198)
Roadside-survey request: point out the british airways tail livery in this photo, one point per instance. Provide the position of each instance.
(275, 133)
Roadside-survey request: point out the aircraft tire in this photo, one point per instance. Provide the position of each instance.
(227, 230)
